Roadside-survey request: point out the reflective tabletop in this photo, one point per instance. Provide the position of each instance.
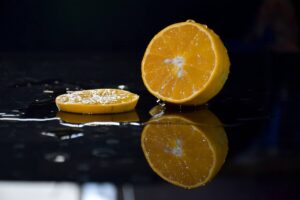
(243, 144)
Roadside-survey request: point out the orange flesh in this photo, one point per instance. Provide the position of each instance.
(180, 61)
(180, 152)
(97, 101)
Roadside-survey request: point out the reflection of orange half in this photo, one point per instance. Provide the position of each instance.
(183, 153)
(81, 118)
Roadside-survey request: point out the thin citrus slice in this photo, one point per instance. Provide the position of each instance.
(185, 63)
(75, 118)
(97, 101)
(185, 152)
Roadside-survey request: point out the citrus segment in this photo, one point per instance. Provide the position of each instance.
(97, 101)
(185, 152)
(185, 63)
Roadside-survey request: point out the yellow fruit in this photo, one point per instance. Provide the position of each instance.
(185, 63)
(75, 118)
(186, 150)
(97, 101)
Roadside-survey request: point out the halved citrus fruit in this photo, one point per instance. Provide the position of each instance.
(186, 150)
(185, 63)
(75, 118)
(97, 101)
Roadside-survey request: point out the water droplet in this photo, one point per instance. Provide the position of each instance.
(48, 91)
(57, 157)
(9, 115)
(190, 20)
(48, 134)
(103, 152)
(158, 110)
(68, 91)
(168, 61)
(123, 87)
(72, 136)
(85, 101)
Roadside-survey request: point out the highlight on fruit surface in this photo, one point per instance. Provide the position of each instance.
(185, 63)
(186, 149)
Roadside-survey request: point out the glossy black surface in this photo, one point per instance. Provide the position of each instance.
(258, 107)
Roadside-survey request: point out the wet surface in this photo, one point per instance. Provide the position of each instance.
(258, 109)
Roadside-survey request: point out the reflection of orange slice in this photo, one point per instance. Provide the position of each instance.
(97, 101)
(183, 153)
(79, 118)
(185, 63)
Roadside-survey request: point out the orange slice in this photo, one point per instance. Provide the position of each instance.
(97, 101)
(185, 63)
(130, 116)
(183, 151)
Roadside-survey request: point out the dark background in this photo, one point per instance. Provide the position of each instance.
(61, 45)
(116, 25)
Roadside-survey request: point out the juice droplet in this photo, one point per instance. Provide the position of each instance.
(190, 20)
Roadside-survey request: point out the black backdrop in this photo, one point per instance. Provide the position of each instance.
(115, 25)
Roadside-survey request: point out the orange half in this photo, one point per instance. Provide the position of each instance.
(185, 63)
